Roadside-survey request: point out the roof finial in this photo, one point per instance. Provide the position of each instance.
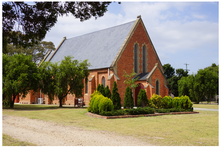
(139, 16)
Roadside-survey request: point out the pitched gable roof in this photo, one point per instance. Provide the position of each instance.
(100, 47)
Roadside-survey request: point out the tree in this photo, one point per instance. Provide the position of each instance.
(107, 92)
(38, 51)
(20, 75)
(142, 100)
(128, 98)
(183, 86)
(102, 91)
(181, 73)
(66, 77)
(130, 79)
(169, 71)
(24, 24)
(172, 84)
(98, 87)
(116, 97)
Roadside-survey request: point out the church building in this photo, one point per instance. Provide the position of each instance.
(111, 51)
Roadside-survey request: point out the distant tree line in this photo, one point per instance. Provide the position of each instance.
(202, 86)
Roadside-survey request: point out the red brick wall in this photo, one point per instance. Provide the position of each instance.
(126, 60)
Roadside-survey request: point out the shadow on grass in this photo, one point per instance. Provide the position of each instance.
(26, 107)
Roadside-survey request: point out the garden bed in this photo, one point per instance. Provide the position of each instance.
(141, 115)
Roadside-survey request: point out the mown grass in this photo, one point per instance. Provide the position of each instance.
(210, 106)
(9, 141)
(175, 130)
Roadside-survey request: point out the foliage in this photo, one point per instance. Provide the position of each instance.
(155, 101)
(99, 87)
(181, 73)
(186, 102)
(99, 103)
(162, 110)
(142, 100)
(38, 51)
(61, 79)
(128, 98)
(20, 75)
(25, 24)
(107, 92)
(130, 80)
(102, 91)
(183, 86)
(166, 102)
(176, 102)
(116, 97)
(169, 71)
(112, 113)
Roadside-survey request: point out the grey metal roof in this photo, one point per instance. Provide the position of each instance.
(98, 47)
(142, 76)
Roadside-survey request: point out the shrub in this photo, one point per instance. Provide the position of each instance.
(140, 110)
(176, 102)
(98, 87)
(99, 103)
(142, 100)
(167, 102)
(116, 97)
(162, 110)
(112, 113)
(102, 91)
(128, 98)
(186, 102)
(105, 104)
(156, 101)
(177, 110)
(107, 92)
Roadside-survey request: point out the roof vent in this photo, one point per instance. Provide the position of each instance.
(139, 16)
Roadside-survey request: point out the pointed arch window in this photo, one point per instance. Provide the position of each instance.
(103, 81)
(144, 59)
(157, 87)
(135, 58)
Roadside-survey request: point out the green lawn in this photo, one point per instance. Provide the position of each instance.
(9, 141)
(210, 106)
(176, 130)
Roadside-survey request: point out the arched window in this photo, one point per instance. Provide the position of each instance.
(86, 86)
(144, 59)
(135, 59)
(103, 81)
(157, 87)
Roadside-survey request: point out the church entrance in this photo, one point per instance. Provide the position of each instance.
(137, 90)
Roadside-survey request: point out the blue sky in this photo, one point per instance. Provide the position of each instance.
(181, 32)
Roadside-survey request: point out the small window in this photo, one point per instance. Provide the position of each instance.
(86, 86)
(135, 59)
(157, 87)
(103, 81)
(144, 59)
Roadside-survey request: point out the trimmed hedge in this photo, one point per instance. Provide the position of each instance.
(167, 102)
(99, 103)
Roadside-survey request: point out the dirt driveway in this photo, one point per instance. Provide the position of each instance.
(44, 133)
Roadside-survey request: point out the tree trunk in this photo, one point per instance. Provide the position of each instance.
(12, 101)
(60, 102)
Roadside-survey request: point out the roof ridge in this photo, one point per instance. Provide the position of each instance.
(101, 30)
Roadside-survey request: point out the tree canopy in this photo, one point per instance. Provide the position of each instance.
(20, 75)
(169, 71)
(66, 77)
(26, 23)
(38, 51)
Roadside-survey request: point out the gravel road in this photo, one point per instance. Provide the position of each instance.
(44, 133)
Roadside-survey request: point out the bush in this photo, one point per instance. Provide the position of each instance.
(186, 102)
(140, 110)
(116, 97)
(107, 92)
(162, 110)
(176, 102)
(112, 113)
(128, 98)
(167, 102)
(142, 100)
(155, 101)
(177, 110)
(99, 103)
